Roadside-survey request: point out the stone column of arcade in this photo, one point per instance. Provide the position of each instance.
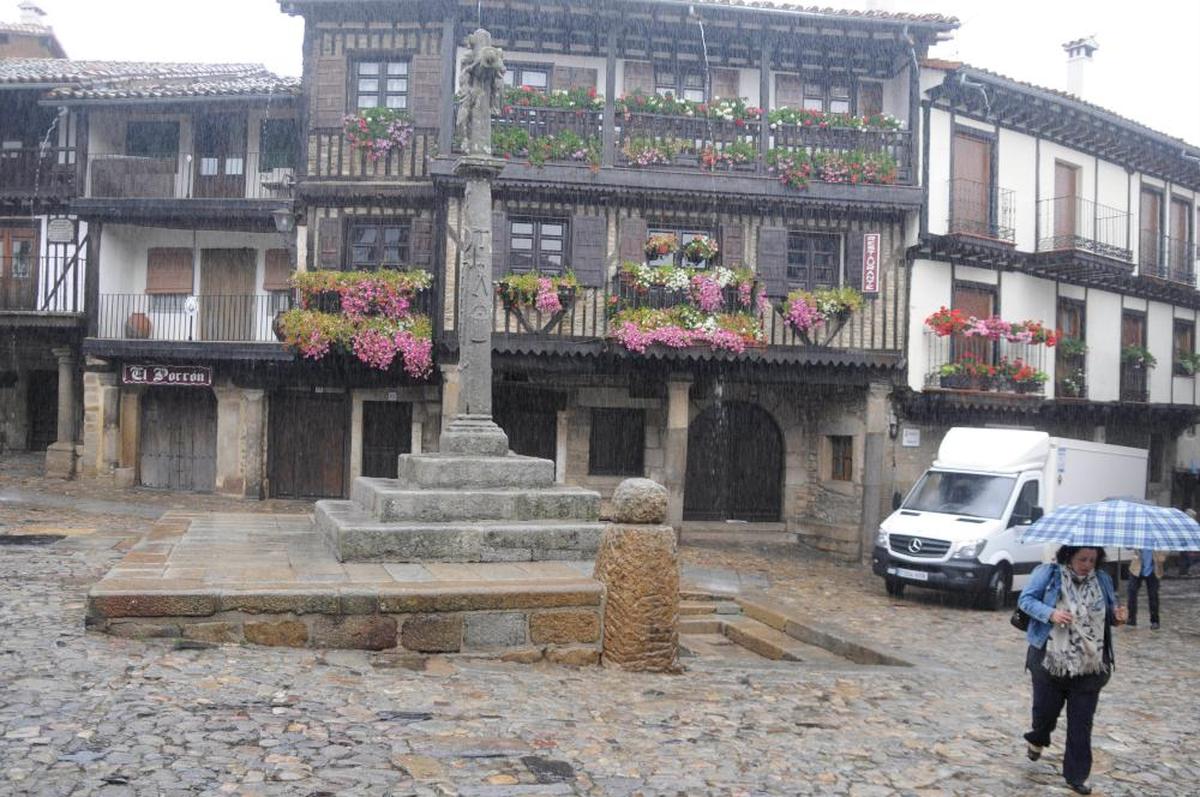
(60, 455)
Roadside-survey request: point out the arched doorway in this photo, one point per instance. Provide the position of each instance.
(734, 465)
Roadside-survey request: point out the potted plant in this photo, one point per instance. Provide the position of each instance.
(137, 326)
(1072, 347)
(1137, 357)
(1028, 379)
(1187, 363)
(946, 322)
(1074, 384)
(700, 249)
(549, 293)
(952, 377)
(378, 131)
(661, 245)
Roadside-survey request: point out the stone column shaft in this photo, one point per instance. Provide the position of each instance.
(675, 469)
(66, 395)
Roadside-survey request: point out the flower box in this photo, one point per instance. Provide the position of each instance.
(137, 326)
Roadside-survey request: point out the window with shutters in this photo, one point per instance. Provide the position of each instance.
(618, 442)
(813, 260)
(279, 144)
(537, 244)
(686, 84)
(381, 84)
(681, 235)
(1185, 347)
(167, 302)
(841, 458)
(870, 98)
(833, 96)
(379, 244)
(535, 76)
(152, 139)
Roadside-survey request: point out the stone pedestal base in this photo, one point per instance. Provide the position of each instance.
(639, 566)
(60, 460)
(476, 435)
(124, 477)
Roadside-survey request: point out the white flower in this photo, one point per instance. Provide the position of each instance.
(722, 276)
(678, 279)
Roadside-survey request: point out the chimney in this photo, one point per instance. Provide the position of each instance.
(1079, 57)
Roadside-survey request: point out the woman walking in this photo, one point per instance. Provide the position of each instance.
(1071, 606)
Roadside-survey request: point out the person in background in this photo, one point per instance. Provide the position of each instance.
(1186, 558)
(1071, 606)
(1147, 566)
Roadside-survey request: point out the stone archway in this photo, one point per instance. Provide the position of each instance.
(735, 465)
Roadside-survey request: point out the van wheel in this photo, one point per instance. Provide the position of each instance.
(999, 586)
(894, 587)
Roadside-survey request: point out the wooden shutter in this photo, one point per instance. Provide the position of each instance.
(499, 244)
(639, 76)
(589, 249)
(726, 83)
(870, 98)
(329, 91)
(421, 236)
(329, 243)
(169, 270)
(277, 271)
(789, 92)
(574, 77)
(853, 262)
(425, 89)
(772, 260)
(733, 245)
(631, 246)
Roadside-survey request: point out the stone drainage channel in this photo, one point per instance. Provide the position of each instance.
(750, 631)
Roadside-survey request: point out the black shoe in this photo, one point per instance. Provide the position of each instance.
(1154, 626)
(1032, 751)
(1131, 624)
(1080, 788)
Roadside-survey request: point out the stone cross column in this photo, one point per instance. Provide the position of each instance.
(472, 431)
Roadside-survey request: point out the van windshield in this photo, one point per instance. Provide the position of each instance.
(970, 494)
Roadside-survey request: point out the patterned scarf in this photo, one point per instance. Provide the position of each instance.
(1078, 648)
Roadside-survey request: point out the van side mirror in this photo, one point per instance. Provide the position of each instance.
(1036, 514)
(897, 500)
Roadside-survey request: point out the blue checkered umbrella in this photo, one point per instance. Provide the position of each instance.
(1117, 522)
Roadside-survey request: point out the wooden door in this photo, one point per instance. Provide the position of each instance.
(980, 303)
(1133, 330)
(227, 294)
(734, 465)
(1179, 243)
(1071, 315)
(971, 199)
(179, 439)
(386, 434)
(308, 439)
(42, 409)
(532, 431)
(1134, 383)
(18, 268)
(1150, 243)
(220, 170)
(1066, 205)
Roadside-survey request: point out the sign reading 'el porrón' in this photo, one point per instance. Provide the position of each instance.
(167, 375)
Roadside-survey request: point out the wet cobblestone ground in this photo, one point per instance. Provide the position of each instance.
(86, 714)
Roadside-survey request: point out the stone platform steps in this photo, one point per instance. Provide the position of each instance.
(271, 580)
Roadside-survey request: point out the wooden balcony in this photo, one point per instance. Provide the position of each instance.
(330, 157)
(233, 178)
(42, 284)
(34, 172)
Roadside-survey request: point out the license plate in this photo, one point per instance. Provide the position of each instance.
(912, 575)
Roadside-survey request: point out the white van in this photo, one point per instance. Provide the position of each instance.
(959, 527)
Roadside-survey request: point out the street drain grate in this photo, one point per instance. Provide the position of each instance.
(30, 539)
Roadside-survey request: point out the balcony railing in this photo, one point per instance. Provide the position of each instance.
(136, 177)
(42, 284)
(1076, 224)
(1169, 259)
(37, 172)
(177, 317)
(330, 156)
(1134, 384)
(981, 210)
(981, 355)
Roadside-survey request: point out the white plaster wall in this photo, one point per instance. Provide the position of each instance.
(1104, 345)
(1184, 389)
(1017, 172)
(930, 289)
(1159, 333)
(1113, 192)
(939, 171)
(1024, 297)
(984, 276)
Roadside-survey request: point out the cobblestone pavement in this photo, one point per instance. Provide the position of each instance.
(88, 714)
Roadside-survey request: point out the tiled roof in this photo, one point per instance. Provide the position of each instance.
(886, 16)
(241, 86)
(87, 73)
(25, 29)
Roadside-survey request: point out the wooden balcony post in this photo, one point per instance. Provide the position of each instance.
(609, 139)
(449, 50)
(764, 102)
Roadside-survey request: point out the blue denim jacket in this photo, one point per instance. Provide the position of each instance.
(1040, 596)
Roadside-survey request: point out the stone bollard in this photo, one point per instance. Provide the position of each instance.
(638, 563)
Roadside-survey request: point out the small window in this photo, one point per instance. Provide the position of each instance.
(841, 458)
(870, 99)
(684, 84)
(167, 302)
(152, 139)
(381, 84)
(1026, 501)
(379, 244)
(813, 260)
(538, 245)
(618, 442)
(529, 75)
(831, 97)
(1185, 348)
(682, 235)
(279, 141)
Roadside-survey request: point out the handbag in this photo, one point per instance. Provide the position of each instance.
(1019, 619)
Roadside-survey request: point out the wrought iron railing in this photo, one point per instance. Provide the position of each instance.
(50, 284)
(1074, 223)
(1134, 383)
(241, 318)
(250, 176)
(1169, 259)
(37, 171)
(981, 210)
(959, 362)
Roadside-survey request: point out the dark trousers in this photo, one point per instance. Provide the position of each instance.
(1081, 695)
(1135, 584)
